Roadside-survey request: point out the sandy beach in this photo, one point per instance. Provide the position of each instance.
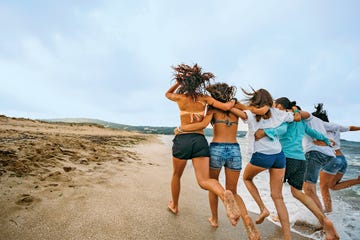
(83, 181)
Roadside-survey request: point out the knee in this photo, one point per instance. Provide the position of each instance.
(232, 189)
(309, 190)
(276, 196)
(294, 192)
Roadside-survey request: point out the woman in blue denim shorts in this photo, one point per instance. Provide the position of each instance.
(189, 94)
(225, 150)
(332, 173)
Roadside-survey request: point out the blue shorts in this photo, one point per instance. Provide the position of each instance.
(314, 162)
(189, 146)
(336, 165)
(225, 154)
(267, 161)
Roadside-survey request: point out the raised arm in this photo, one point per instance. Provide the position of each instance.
(170, 93)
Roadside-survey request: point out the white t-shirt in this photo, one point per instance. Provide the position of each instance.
(265, 145)
(333, 131)
(308, 144)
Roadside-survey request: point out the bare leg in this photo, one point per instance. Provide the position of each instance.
(276, 183)
(201, 167)
(330, 231)
(213, 200)
(178, 169)
(310, 190)
(250, 172)
(344, 184)
(326, 180)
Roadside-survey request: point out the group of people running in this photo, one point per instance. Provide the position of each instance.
(293, 145)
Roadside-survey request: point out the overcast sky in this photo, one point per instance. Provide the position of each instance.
(111, 60)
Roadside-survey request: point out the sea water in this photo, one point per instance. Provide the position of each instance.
(345, 202)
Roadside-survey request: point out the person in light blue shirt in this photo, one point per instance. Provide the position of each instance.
(290, 135)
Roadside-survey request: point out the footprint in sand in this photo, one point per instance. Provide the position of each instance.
(26, 200)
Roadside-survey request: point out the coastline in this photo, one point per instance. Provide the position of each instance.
(121, 194)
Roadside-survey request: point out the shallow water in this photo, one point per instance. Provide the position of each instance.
(346, 204)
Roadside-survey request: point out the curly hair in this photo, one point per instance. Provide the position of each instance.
(221, 91)
(320, 112)
(258, 99)
(192, 80)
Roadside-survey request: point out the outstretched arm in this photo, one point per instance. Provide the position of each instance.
(354, 128)
(258, 111)
(271, 132)
(197, 125)
(317, 135)
(220, 105)
(240, 113)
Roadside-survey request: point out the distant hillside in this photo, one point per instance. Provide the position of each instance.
(142, 129)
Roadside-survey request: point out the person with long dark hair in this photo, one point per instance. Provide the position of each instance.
(291, 142)
(332, 173)
(190, 95)
(225, 151)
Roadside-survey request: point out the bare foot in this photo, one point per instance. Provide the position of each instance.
(213, 222)
(232, 210)
(251, 230)
(329, 229)
(171, 207)
(264, 214)
(275, 218)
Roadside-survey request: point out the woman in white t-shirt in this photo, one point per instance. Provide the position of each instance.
(332, 173)
(267, 154)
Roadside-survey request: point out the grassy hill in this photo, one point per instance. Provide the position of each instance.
(142, 129)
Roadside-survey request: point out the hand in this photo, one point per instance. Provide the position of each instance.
(176, 131)
(260, 133)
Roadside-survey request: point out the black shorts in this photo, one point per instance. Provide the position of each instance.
(295, 172)
(190, 145)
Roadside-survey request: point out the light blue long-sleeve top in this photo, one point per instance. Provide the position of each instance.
(291, 135)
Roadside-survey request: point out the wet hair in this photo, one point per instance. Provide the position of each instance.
(258, 99)
(221, 91)
(192, 80)
(320, 112)
(285, 102)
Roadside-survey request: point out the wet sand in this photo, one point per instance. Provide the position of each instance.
(82, 181)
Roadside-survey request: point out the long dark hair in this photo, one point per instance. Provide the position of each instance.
(258, 99)
(285, 102)
(320, 112)
(192, 80)
(221, 91)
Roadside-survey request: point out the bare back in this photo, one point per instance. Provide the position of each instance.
(225, 126)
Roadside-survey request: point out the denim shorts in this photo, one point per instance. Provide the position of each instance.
(225, 154)
(267, 161)
(314, 162)
(336, 165)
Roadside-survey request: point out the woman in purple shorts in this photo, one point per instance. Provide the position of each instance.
(189, 94)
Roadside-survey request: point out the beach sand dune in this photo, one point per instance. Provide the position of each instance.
(83, 181)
